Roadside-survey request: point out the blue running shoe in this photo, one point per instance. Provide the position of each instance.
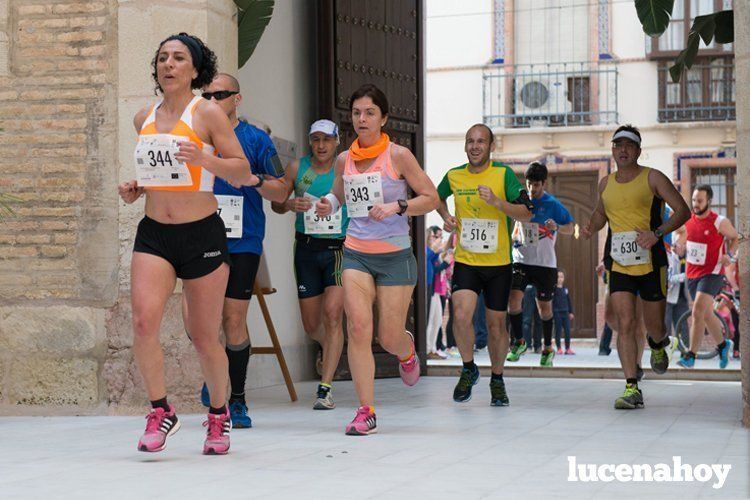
(687, 362)
(238, 415)
(724, 354)
(205, 397)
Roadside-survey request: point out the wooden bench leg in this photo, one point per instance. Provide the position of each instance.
(275, 341)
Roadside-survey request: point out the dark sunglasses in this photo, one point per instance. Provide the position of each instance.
(219, 95)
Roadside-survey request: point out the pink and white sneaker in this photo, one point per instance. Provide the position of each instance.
(160, 424)
(364, 423)
(217, 435)
(409, 370)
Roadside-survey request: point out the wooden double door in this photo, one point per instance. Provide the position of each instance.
(578, 257)
(378, 42)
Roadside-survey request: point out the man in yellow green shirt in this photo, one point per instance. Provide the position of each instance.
(486, 194)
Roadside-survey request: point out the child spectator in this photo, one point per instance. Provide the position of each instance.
(563, 315)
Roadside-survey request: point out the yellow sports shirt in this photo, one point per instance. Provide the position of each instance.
(484, 222)
(631, 205)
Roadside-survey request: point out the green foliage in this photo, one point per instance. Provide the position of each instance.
(654, 15)
(5, 205)
(252, 18)
(719, 26)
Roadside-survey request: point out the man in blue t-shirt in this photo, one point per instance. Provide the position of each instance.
(535, 261)
(242, 212)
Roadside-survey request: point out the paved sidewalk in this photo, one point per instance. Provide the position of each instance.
(428, 446)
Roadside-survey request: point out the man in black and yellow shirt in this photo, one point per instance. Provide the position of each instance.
(631, 201)
(486, 195)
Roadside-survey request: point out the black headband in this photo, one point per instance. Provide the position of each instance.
(196, 52)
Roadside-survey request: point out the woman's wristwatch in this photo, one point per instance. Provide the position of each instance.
(402, 206)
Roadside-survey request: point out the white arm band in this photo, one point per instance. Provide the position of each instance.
(334, 202)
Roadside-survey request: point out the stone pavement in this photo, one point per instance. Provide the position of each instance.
(427, 447)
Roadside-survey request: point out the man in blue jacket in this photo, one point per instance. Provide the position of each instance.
(242, 212)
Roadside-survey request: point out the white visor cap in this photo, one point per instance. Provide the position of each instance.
(326, 126)
(625, 134)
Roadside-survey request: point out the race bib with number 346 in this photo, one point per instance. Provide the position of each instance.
(315, 224)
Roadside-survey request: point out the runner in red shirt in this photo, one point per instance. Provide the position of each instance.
(712, 243)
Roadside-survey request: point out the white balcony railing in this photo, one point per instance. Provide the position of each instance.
(550, 95)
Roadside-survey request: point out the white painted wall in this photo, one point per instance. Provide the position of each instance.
(628, 40)
(453, 100)
(465, 32)
(551, 31)
(637, 93)
(278, 86)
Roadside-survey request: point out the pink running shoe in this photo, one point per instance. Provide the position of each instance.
(569, 351)
(364, 423)
(559, 350)
(409, 370)
(160, 424)
(217, 435)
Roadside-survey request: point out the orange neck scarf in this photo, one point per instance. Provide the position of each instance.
(359, 153)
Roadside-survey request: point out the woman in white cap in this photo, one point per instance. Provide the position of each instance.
(318, 251)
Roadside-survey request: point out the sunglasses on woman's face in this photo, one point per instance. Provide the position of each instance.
(219, 95)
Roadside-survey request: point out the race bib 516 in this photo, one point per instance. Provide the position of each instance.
(479, 235)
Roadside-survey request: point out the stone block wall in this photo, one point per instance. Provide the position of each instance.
(141, 26)
(58, 256)
(742, 64)
(72, 75)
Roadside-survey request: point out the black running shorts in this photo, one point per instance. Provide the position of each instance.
(317, 264)
(710, 284)
(651, 287)
(242, 275)
(544, 280)
(194, 249)
(494, 281)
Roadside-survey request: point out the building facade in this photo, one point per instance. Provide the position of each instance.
(554, 79)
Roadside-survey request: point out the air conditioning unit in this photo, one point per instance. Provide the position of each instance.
(542, 97)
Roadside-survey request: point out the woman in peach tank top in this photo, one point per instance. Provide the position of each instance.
(373, 179)
(181, 236)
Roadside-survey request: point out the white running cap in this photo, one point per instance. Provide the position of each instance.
(626, 134)
(326, 126)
